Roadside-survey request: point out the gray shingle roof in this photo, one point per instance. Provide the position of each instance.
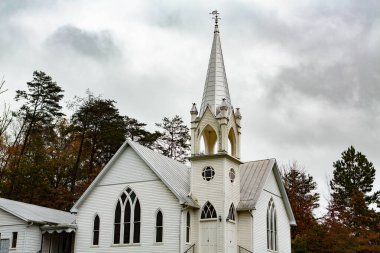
(253, 176)
(36, 214)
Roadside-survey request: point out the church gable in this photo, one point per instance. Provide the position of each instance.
(271, 185)
(136, 163)
(129, 167)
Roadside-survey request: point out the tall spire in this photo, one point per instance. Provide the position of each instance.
(216, 86)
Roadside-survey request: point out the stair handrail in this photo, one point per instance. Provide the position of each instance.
(191, 247)
(240, 247)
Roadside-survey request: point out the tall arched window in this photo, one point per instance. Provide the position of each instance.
(127, 218)
(188, 226)
(271, 226)
(208, 211)
(159, 226)
(96, 230)
(231, 213)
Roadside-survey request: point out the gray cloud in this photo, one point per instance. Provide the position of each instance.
(99, 45)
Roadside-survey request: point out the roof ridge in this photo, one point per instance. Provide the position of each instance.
(29, 204)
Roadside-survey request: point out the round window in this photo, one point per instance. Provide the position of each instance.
(208, 173)
(232, 175)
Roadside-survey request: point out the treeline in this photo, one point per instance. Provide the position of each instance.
(352, 223)
(49, 159)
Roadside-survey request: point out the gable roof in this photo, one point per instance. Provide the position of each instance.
(253, 177)
(175, 175)
(36, 214)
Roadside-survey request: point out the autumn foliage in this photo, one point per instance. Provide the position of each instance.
(49, 159)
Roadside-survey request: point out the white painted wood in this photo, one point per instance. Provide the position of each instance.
(152, 194)
(259, 217)
(209, 236)
(28, 237)
(244, 234)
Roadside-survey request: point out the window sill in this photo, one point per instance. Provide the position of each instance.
(126, 245)
(214, 219)
(94, 246)
(158, 243)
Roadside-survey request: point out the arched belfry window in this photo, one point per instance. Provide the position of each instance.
(208, 211)
(231, 213)
(159, 226)
(96, 231)
(232, 142)
(127, 218)
(271, 226)
(209, 138)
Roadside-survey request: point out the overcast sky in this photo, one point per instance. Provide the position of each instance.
(306, 74)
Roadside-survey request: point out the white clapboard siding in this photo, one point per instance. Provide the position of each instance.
(245, 229)
(28, 237)
(129, 170)
(259, 215)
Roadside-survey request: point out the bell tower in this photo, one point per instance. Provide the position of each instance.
(215, 157)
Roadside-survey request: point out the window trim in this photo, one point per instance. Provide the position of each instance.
(272, 231)
(93, 231)
(156, 227)
(233, 220)
(212, 218)
(188, 228)
(212, 171)
(132, 230)
(13, 240)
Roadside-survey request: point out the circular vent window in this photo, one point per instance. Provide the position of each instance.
(208, 173)
(232, 175)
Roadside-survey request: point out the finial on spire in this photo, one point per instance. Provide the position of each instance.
(216, 18)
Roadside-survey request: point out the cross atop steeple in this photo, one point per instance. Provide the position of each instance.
(216, 86)
(216, 18)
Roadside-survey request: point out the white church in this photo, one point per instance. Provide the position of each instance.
(145, 202)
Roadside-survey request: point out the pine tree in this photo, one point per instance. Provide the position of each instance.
(37, 116)
(300, 188)
(175, 138)
(351, 198)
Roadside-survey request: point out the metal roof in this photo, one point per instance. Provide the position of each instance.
(216, 86)
(175, 175)
(253, 176)
(36, 214)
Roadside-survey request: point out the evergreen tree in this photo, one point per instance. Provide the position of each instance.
(349, 207)
(99, 130)
(300, 188)
(38, 114)
(175, 139)
(136, 132)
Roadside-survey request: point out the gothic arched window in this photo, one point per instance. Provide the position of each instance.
(127, 218)
(159, 226)
(188, 226)
(208, 211)
(231, 213)
(271, 226)
(96, 230)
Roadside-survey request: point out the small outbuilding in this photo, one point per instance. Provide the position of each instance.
(30, 229)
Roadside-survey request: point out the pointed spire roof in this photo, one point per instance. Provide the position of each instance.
(216, 86)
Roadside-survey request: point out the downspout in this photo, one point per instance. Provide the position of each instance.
(29, 224)
(252, 229)
(42, 242)
(180, 230)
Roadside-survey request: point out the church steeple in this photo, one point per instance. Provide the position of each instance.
(216, 129)
(216, 86)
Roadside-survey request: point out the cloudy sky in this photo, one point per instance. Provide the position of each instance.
(306, 74)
